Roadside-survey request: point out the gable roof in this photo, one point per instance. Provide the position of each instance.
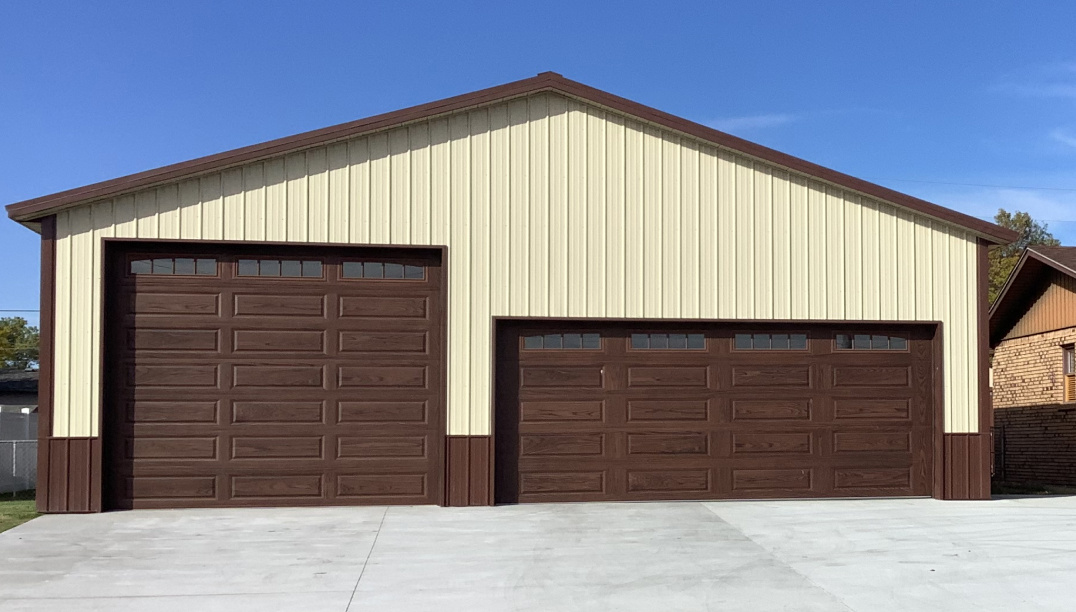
(36, 208)
(1036, 266)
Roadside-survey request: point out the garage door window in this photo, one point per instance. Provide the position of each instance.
(288, 268)
(175, 266)
(562, 341)
(871, 342)
(668, 341)
(771, 342)
(386, 270)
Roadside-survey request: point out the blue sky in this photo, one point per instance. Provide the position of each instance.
(972, 108)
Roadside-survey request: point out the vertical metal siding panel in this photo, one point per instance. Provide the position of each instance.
(459, 310)
(440, 184)
(80, 403)
(671, 289)
(870, 287)
(745, 240)
(146, 213)
(653, 226)
(358, 155)
(596, 183)
(61, 418)
(479, 345)
(212, 207)
(763, 239)
(317, 195)
(419, 159)
(818, 267)
(558, 206)
(339, 191)
(168, 218)
(709, 266)
(782, 244)
(939, 245)
(616, 224)
(123, 212)
(634, 237)
(190, 211)
(380, 186)
(576, 212)
(970, 307)
(254, 201)
(539, 206)
(234, 225)
(852, 256)
(500, 230)
(689, 230)
(726, 237)
(519, 208)
(835, 254)
(907, 287)
(962, 325)
(887, 262)
(295, 172)
(276, 201)
(924, 272)
(104, 226)
(799, 239)
(399, 187)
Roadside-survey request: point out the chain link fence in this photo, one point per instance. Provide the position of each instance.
(18, 465)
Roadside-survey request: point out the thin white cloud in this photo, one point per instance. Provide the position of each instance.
(752, 122)
(1064, 137)
(1051, 81)
(1055, 208)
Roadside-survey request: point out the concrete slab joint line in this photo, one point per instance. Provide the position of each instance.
(368, 555)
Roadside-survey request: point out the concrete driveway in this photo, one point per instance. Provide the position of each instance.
(876, 555)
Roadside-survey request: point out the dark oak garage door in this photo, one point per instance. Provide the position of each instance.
(695, 413)
(263, 377)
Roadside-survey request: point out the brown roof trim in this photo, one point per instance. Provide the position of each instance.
(546, 81)
(1028, 273)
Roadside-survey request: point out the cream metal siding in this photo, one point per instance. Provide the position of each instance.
(552, 208)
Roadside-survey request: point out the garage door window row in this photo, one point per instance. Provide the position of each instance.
(668, 341)
(175, 266)
(871, 342)
(562, 341)
(376, 269)
(771, 342)
(290, 268)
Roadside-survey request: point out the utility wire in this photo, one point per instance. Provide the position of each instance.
(975, 185)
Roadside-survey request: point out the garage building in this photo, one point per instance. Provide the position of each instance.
(534, 292)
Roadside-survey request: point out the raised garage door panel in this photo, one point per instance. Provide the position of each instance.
(251, 390)
(617, 422)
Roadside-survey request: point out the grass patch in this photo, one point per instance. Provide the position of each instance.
(16, 509)
(1008, 489)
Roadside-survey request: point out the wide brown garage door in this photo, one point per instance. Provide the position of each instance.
(258, 376)
(753, 411)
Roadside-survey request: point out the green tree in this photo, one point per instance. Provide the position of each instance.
(1003, 259)
(18, 343)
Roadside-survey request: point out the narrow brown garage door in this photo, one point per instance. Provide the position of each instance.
(756, 411)
(266, 376)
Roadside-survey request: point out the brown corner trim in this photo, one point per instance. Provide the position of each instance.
(46, 364)
(546, 81)
(468, 477)
(74, 475)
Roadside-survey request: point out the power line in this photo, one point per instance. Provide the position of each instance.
(4, 310)
(975, 185)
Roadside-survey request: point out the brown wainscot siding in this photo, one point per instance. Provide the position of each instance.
(469, 477)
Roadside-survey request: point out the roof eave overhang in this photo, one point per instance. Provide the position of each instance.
(36, 208)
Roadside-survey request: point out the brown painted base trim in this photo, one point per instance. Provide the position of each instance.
(70, 475)
(967, 466)
(468, 473)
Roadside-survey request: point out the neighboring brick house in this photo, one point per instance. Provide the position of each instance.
(1032, 331)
